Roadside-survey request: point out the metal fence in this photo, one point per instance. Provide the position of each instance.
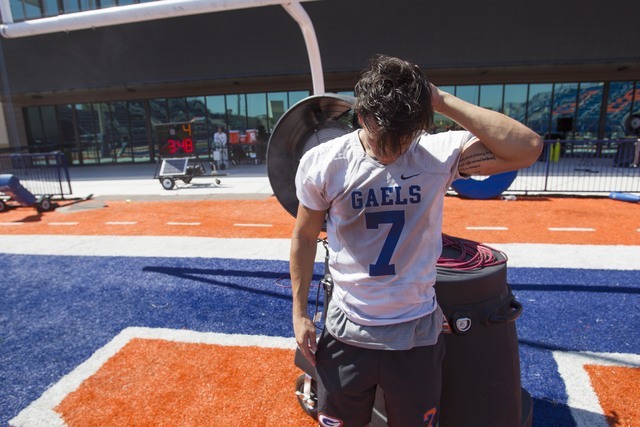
(583, 166)
(41, 174)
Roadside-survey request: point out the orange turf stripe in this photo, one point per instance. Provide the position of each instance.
(527, 219)
(617, 389)
(163, 383)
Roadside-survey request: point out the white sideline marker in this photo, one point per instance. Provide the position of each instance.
(580, 229)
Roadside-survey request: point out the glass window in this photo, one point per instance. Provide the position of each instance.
(563, 114)
(138, 132)
(216, 113)
(491, 97)
(88, 4)
(515, 101)
(51, 8)
(120, 138)
(588, 112)
(236, 114)
(177, 109)
(257, 121)
(71, 6)
(618, 108)
(50, 126)
(159, 111)
(33, 9)
(88, 133)
(277, 104)
(297, 96)
(17, 10)
(35, 131)
(196, 107)
(67, 126)
(107, 132)
(257, 110)
(539, 107)
(636, 99)
(196, 115)
(468, 93)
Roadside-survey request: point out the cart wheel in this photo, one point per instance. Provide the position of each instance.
(187, 179)
(167, 183)
(217, 181)
(311, 408)
(3, 206)
(44, 205)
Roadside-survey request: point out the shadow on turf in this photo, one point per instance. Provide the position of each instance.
(199, 275)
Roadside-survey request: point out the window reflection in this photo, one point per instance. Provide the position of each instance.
(17, 10)
(297, 96)
(539, 107)
(468, 93)
(515, 101)
(138, 131)
(124, 131)
(277, 104)
(618, 108)
(33, 10)
(236, 118)
(70, 6)
(565, 96)
(177, 109)
(588, 112)
(491, 97)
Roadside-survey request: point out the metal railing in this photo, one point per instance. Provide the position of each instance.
(41, 174)
(583, 166)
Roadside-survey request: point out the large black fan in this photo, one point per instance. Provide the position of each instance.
(310, 122)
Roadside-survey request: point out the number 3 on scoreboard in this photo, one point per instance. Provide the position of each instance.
(382, 267)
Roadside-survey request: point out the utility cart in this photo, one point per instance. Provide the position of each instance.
(184, 169)
(181, 146)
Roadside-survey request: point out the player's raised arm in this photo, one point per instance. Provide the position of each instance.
(503, 144)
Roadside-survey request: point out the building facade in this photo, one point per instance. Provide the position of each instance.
(566, 69)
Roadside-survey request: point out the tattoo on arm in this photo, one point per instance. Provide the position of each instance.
(471, 163)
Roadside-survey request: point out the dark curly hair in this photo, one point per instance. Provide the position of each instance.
(393, 98)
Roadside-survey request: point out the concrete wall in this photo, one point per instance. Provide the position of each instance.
(462, 35)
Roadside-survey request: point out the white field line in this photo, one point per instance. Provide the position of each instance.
(534, 255)
(578, 229)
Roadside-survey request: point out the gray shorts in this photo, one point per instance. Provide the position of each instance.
(348, 376)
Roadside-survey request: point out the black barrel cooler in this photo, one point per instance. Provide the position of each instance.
(481, 369)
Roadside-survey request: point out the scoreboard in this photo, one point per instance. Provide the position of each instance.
(182, 139)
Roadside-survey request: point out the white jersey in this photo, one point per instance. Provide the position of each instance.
(384, 222)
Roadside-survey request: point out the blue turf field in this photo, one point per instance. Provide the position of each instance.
(57, 311)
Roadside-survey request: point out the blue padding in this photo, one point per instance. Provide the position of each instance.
(484, 189)
(625, 197)
(10, 185)
(7, 181)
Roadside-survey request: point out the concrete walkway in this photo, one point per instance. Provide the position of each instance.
(136, 181)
